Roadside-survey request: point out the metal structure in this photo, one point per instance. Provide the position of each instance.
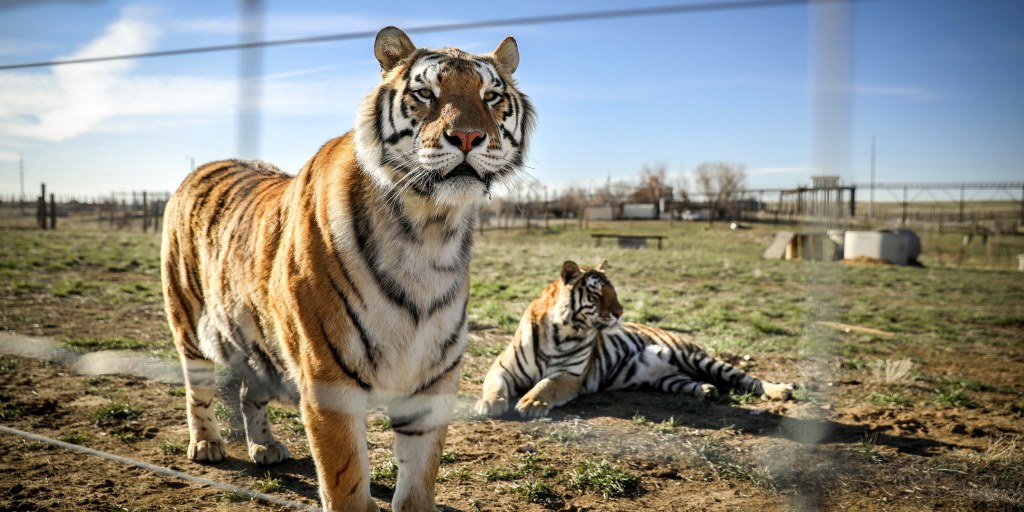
(813, 201)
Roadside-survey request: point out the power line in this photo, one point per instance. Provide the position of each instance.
(527, 20)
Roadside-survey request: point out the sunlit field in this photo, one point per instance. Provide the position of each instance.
(933, 404)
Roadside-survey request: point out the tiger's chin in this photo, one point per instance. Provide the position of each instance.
(461, 186)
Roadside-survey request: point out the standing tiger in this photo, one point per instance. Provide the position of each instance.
(570, 341)
(345, 286)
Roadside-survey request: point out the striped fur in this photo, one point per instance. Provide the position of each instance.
(346, 285)
(571, 341)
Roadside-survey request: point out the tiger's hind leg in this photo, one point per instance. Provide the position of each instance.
(263, 448)
(680, 383)
(725, 374)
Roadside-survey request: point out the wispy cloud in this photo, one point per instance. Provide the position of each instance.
(75, 98)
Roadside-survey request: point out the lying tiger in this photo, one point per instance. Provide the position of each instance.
(570, 341)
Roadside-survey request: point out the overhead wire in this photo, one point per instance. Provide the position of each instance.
(444, 27)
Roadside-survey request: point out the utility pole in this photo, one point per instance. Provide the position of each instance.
(250, 67)
(871, 205)
(21, 173)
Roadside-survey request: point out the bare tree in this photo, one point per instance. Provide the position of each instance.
(653, 184)
(720, 182)
(613, 193)
(572, 199)
(681, 186)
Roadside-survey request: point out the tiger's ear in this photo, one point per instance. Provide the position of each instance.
(602, 267)
(569, 270)
(507, 54)
(392, 45)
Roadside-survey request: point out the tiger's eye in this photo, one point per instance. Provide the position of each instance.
(424, 94)
(490, 96)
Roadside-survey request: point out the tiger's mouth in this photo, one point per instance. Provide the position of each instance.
(463, 169)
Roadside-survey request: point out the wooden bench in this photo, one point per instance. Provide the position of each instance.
(629, 241)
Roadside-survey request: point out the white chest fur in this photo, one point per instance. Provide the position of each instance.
(412, 274)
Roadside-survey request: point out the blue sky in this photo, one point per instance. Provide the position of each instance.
(939, 83)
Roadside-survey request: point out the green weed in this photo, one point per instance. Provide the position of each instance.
(888, 398)
(172, 447)
(117, 410)
(267, 484)
(954, 396)
(9, 412)
(456, 475)
(385, 473)
(529, 466)
(868, 449)
(604, 478)
(73, 437)
(536, 492)
(230, 496)
(743, 398)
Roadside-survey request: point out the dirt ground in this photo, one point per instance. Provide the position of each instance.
(857, 442)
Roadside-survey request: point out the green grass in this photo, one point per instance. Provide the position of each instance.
(743, 398)
(117, 410)
(113, 343)
(953, 396)
(711, 454)
(868, 449)
(169, 447)
(7, 365)
(267, 484)
(74, 437)
(230, 496)
(385, 473)
(604, 478)
(529, 466)
(455, 475)
(890, 398)
(9, 412)
(536, 492)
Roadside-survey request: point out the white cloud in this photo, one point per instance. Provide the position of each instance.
(76, 97)
(7, 156)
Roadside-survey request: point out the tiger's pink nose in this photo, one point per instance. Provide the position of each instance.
(465, 141)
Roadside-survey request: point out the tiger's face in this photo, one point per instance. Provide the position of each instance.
(443, 124)
(591, 296)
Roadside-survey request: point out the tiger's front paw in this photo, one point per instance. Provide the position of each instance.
(491, 406)
(531, 406)
(270, 453)
(207, 451)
